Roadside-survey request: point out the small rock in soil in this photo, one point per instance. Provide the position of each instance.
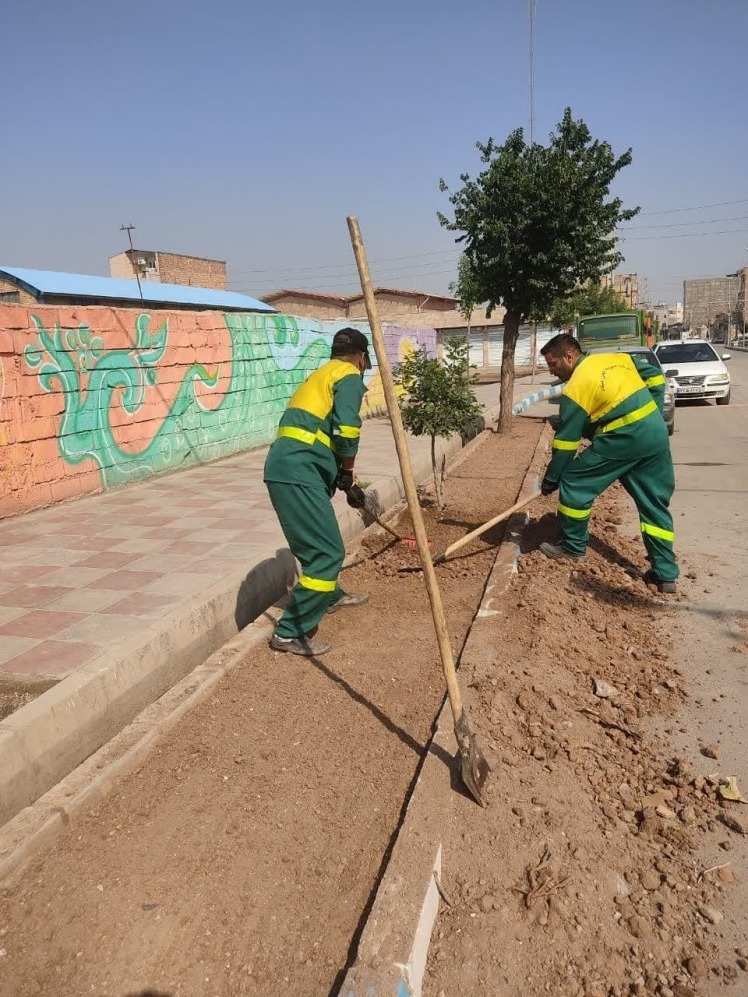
(650, 880)
(712, 915)
(604, 690)
(711, 750)
(735, 822)
(697, 967)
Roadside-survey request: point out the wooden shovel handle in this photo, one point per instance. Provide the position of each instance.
(409, 483)
(487, 526)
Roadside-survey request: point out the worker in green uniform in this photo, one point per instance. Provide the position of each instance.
(313, 455)
(615, 400)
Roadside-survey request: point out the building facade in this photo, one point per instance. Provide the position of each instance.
(169, 268)
(626, 284)
(709, 299)
(410, 309)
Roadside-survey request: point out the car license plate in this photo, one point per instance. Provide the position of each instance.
(690, 389)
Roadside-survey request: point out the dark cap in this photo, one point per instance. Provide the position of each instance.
(350, 340)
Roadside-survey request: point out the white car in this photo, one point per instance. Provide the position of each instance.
(695, 369)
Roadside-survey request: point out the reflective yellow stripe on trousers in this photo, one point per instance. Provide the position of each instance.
(573, 513)
(656, 531)
(316, 584)
(304, 435)
(626, 420)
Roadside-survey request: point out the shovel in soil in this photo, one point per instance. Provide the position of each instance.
(480, 530)
(408, 541)
(474, 768)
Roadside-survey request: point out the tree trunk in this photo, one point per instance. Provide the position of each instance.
(438, 482)
(511, 333)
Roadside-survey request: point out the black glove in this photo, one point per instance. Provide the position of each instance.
(344, 480)
(356, 497)
(548, 487)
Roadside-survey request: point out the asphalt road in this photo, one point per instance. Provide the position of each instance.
(710, 507)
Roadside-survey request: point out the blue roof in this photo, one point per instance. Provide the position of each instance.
(78, 285)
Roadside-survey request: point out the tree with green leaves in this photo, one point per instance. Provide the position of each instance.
(439, 399)
(592, 299)
(535, 224)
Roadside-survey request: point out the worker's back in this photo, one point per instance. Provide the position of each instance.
(621, 398)
(321, 416)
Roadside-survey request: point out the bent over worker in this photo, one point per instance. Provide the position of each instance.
(312, 455)
(615, 400)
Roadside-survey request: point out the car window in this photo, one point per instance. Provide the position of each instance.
(686, 353)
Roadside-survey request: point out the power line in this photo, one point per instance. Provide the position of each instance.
(346, 284)
(706, 221)
(346, 265)
(695, 207)
(685, 235)
(424, 270)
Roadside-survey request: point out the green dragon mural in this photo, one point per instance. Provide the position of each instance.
(270, 356)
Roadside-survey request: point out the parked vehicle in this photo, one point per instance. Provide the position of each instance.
(624, 329)
(696, 369)
(668, 408)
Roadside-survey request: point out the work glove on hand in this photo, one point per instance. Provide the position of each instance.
(344, 480)
(548, 487)
(356, 497)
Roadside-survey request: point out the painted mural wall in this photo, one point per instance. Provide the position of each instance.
(93, 398)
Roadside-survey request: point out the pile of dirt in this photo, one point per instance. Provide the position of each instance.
(581, 878)
(241, 858)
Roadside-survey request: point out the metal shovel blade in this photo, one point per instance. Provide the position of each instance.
(474, 767)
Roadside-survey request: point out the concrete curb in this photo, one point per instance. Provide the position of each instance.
(393, 949)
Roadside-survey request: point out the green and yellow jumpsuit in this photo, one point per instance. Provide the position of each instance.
(321, 424)
(615, 400)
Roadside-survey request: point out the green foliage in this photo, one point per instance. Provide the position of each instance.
(590, 300)
(535, 223)
(465, 288)
(440, 399)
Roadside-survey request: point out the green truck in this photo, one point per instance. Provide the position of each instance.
(635, 328)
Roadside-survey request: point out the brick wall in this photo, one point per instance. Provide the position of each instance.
(175, 269)
(20, 297)
(309, 308)
(92, 398)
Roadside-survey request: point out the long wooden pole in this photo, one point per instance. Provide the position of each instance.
(403, 456)
(480, 530)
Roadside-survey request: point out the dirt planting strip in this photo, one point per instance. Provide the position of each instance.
(582, 878)
(242, 855)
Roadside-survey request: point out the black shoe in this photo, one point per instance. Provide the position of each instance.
(557, 552)
(666, 587)
(304, 646)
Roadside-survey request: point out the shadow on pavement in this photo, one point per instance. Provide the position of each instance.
(267, 583)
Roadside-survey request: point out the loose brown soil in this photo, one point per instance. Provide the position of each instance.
(241, 858)
(581, 878)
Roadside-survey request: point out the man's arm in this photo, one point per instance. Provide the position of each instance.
(652, 376)
(572, 419)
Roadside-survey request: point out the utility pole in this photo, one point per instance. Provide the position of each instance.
(130, 228)
(531, 10)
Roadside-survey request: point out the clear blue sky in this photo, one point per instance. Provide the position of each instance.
(247, 131)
